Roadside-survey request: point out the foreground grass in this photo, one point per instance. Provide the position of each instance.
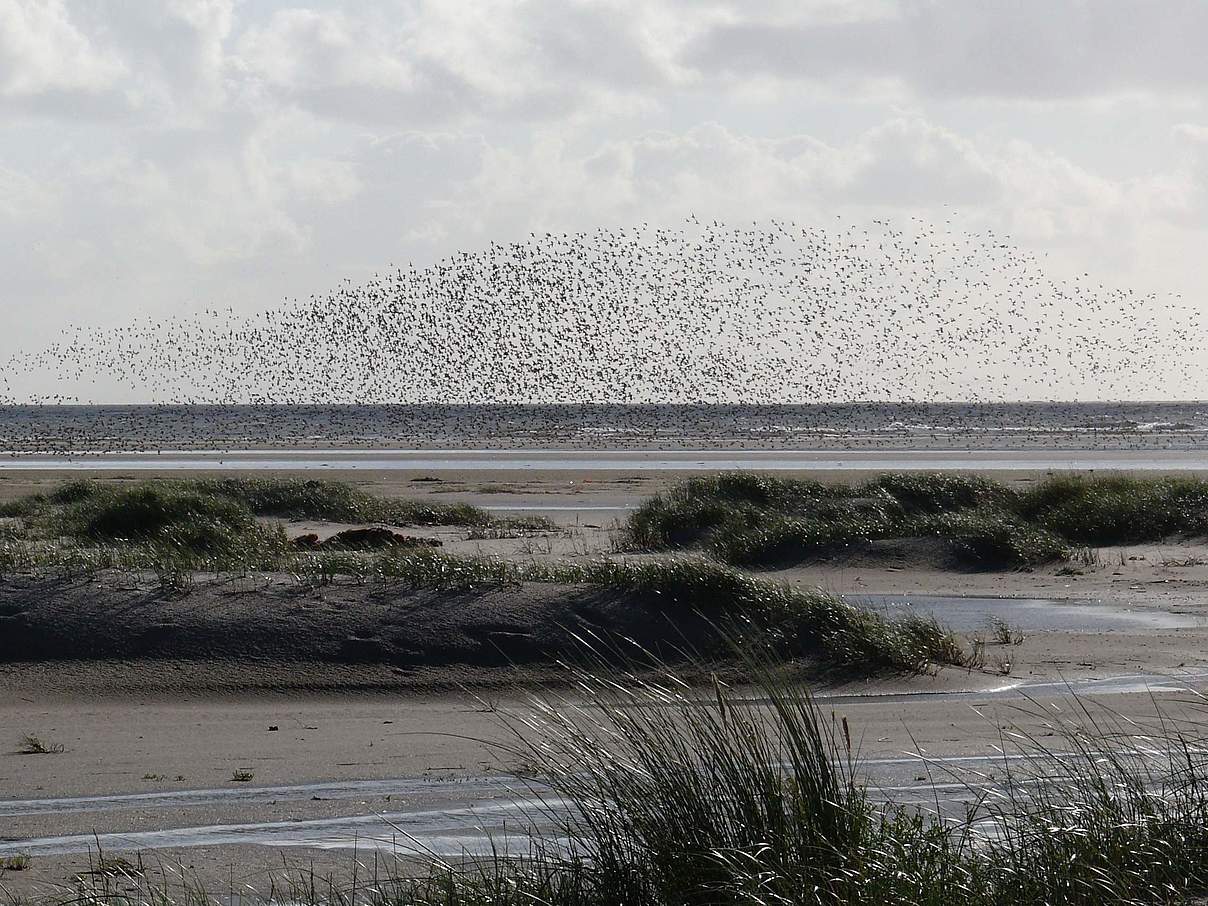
(680, 798)
(684, 800)
(751, 519)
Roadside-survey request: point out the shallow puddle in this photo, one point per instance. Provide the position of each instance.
(480, 830)
(407, 788)
(970, 614)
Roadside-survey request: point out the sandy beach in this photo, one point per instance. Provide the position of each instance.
(183, 695)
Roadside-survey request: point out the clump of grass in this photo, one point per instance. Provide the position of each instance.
(19, 862)
(205, 524)
(985, 538)
(775, 538)
(159, 513)
(35, 745)
(938, 492)
(217, 516)
(74, 491)
(692, 510)
(798, 623)
(310, 498)
(1118, 509)
(756, 520)
(1003, 634)
(805, 624)
(174, 579)
(242, 775)
(682, 798)
(692, 793)
(22, 507)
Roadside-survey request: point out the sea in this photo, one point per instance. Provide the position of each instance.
(72, 431)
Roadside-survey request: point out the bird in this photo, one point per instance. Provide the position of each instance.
(702, 331)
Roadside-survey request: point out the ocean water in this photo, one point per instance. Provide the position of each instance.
(64, 430)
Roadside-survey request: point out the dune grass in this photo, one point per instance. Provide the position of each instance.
(758, 520)
(796, 623)
(286, 498)
(812, 625)
(216, 518)
(659, 794)
(683, 798)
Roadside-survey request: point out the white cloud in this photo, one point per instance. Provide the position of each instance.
(901, 167)
(42, 52)
(1035, 49)
(175, 51)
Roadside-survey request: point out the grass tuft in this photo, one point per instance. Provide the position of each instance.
(34, 745)
(311, 498)
(19, 862)
(1118, 509)
(679, 797)
(754, 520)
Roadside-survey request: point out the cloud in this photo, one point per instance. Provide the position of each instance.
(175, 51)
(43, 54)
(1032, 50)
(902, 166)
(344, 68)
(434, 63)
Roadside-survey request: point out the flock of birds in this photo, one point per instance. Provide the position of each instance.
(772, 312)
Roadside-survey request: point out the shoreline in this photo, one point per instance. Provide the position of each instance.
(604, 460)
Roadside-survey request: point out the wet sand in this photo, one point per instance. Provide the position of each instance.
(380, 777)
(134, 727)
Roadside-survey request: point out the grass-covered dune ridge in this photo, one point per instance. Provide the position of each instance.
(183, 532)
(209, 523)
(287, 498)
(679, 600)
(755, 519)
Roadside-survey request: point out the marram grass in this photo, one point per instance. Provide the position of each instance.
(662, 794)
(756, 520)
(811, 625)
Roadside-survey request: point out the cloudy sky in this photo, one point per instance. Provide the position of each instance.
(164, 157)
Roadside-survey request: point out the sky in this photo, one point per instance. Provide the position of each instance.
(162, 158)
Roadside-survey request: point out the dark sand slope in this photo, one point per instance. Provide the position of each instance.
(269, 621)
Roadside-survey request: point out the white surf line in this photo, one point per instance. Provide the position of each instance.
(663, 452)
(869, 454)
(445, 832)
(522, 464)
